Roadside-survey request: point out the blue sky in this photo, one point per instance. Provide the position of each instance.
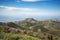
(15, 10)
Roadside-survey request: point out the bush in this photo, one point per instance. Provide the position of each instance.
(10, 36)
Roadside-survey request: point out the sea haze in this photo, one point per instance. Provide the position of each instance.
(17, 10)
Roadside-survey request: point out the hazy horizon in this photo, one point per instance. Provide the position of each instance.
(13, 10)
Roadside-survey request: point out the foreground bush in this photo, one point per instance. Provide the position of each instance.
(10, 36)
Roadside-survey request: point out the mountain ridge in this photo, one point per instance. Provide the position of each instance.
(32, 27)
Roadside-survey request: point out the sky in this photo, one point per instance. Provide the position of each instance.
(16, 10)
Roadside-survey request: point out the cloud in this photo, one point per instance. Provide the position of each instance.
(26, 12)
(15, 8)
(14, 11)
(8, 13)
(33, 0)
(30, 0)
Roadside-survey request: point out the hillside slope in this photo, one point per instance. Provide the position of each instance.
(41, 29)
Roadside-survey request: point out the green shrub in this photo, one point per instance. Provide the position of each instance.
(10, 36)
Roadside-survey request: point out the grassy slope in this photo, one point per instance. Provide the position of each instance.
(10, 36)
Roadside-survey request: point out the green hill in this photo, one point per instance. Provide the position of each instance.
(10, 36)
(43, 30)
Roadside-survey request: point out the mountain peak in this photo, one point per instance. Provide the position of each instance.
(30, 20)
